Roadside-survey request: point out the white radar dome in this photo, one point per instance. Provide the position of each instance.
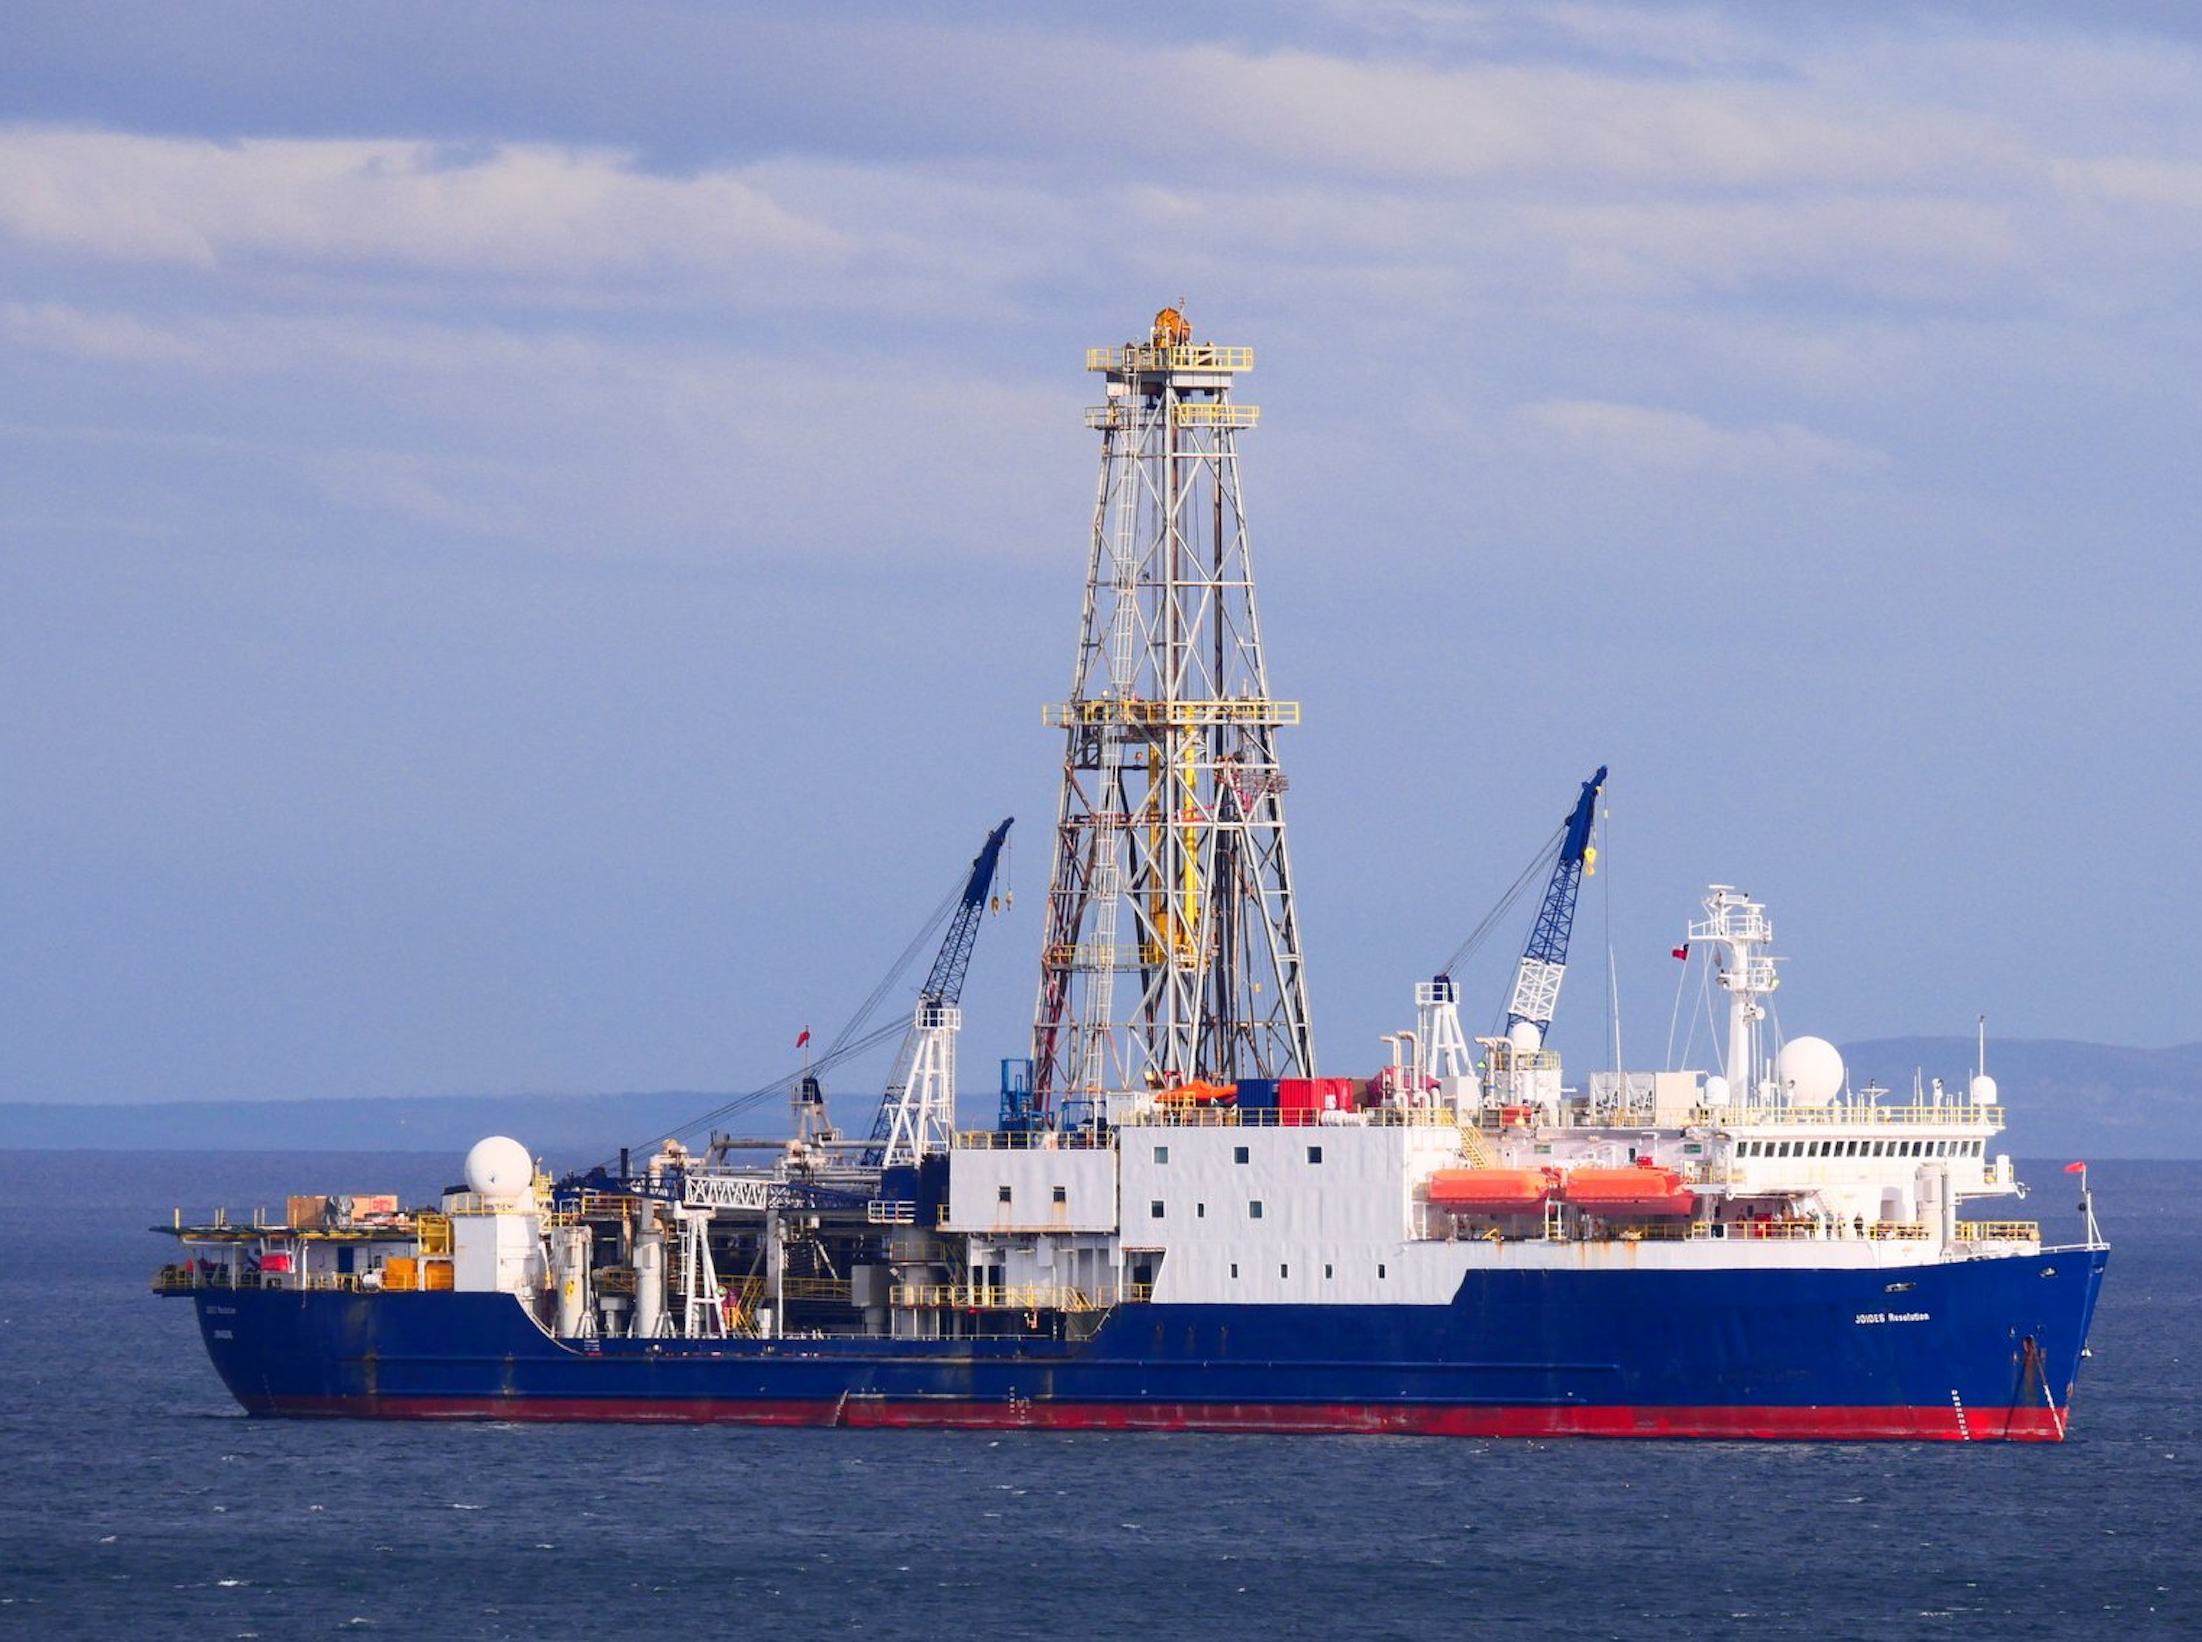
(1716, 1090)
(499, 1168)
(1524, 1035)
(1811, 1069)
(1984, 1090)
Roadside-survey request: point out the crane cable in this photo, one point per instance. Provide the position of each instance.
(846, 1044)
(1538, 865)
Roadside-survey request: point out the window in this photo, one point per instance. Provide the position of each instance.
(1315, 1154)
(1162, 1154)
(1002, 1193)
(1238, 1154)
(1200, 1211)
(1326, 1270)
(1234, 1271)
(1254, 1209)
(1154, 1209)
(1380, 1273)
(1284, 1271)
(1062, 1194)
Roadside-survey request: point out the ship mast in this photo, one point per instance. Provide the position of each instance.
(1740, 928)
(1172, 951)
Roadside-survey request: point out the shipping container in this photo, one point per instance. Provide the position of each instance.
(1257, 1094)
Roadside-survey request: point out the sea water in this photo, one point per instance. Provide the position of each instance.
(136, 1500)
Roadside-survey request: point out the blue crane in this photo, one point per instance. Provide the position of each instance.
(1544, 960)
(943, 985)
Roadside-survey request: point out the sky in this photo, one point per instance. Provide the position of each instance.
(534, 539)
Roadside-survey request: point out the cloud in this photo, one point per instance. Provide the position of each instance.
(511, 209)
(1646, 438)
(111, 338)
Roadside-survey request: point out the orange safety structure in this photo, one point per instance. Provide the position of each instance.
(1644, 1189)
(1490, 1191)
(1197, 1093)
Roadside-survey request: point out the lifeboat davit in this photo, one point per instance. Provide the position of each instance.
(1644, 1189)
(1489, 1191)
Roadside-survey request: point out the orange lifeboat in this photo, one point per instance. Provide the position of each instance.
(1644, 1189)
(1200, 1094)
(1489, 1191)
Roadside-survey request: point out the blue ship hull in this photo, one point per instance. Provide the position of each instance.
(1975, 1349)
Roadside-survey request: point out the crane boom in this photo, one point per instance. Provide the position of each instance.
(1544, 961)
(942, 990)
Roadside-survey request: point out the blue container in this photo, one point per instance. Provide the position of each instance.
(1257, 1094)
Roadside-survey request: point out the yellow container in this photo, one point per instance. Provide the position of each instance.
(401, 1271)
(435, 1274)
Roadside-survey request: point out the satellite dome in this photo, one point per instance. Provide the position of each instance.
(1716, 1090)
(1983, 1089)
(1811, 1069)
(500, 1169)
(1524, 1035)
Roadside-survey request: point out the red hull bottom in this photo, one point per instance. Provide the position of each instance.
(1924, 1424)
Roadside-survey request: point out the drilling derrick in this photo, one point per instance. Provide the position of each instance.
(1172, 952)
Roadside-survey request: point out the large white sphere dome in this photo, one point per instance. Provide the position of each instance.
(499, 1168)
(1811, 1069)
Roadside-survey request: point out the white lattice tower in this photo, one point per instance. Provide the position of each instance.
(1437, 1019)
(924, 1116)
(1172, 950)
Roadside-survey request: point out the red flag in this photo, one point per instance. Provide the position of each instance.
(1682, 951)
(805, 1038)
(2075, 1168)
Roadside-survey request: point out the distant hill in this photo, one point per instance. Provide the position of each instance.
(2087, 1100)
(2077, 1099)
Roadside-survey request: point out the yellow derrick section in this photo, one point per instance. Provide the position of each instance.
(1183, 356)
(1138, 711)
(1103, 418)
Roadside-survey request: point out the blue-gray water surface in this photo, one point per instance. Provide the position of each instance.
(136, 1500)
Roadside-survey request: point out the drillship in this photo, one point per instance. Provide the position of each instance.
(1177, 1222)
